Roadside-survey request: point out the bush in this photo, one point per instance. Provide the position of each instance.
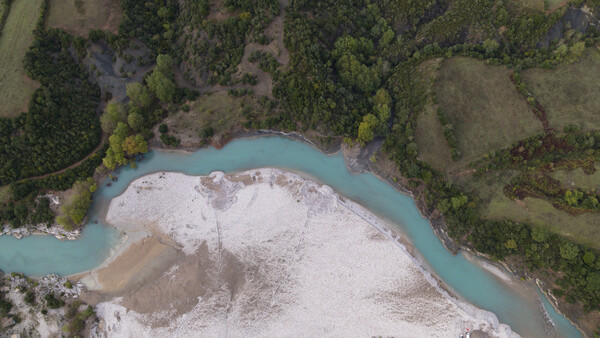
(53, 302)
(29, 297)
(163, 129)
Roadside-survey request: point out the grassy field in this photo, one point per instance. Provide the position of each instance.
(569, 94)
(484, 107)
(15, 87)
(79, 16)
(540, 4)
(429, 137)
(4, 193)
(494, 205)
(220, 111)
(578, 179)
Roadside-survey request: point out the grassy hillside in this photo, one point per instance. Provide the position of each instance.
(483, 106)
(569, 94)
(15, 87)
(488, 114)
(433, 147)
(578, 178)
(79, 16)
(542, 5)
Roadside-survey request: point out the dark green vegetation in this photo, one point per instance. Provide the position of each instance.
(149, 21)
(212, 48)
(61, 126)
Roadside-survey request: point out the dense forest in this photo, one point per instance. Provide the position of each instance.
(212, 49)
(61, 126)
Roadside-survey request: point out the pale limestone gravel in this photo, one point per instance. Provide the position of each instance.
(327, 266)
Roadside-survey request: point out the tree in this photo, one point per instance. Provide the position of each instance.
(5, 307)
(135, 120)
(593, 282)
(76, 207)
(490, 46)
(53, 302)
(164, 64)
(589, 258)
(569, 251)
(510, 244)
(539, 234)
(134, 145)
(115, 113)
(355, 74)
(382, 103)
(572, 197)
(139, 95)
(29, 297)
(162, 86)
(366, 127)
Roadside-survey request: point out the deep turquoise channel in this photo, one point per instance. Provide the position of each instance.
(41, 255)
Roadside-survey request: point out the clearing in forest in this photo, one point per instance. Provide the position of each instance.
(569, 94)
(483, 106)
(5, 194)
(544, 5)
(16, 37)
(578, 179)
(219, 111)
(79, 16)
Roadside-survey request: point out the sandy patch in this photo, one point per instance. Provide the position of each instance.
(268, 253)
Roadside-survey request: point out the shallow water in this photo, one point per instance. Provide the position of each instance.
(515, 304)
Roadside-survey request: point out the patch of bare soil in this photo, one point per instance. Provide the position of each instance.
(218, 12)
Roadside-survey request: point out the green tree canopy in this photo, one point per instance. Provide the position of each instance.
(115, 112)
(135, 120)
(366, 128)
(76, 207)
(164, 64)
(162, 86)
(539, 234)
(569, 251)
(134, 145)
(589, 258)
(382, 103)
(139, 95)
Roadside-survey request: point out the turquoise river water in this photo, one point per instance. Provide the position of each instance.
(516, 304)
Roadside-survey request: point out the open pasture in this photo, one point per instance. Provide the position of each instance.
(79, 16)
(16, 37)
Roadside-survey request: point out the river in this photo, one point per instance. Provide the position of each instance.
(514, 302)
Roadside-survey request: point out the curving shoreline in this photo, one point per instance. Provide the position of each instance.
(227, 192)
(340, 164)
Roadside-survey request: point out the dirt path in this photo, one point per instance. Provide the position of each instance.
(76, 164)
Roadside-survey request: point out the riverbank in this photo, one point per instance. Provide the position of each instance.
(261, 247)
(368, 159)
(40, 229)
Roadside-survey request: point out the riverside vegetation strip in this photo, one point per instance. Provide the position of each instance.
(353, 67)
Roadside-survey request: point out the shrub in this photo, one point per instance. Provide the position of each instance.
(163, 128)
